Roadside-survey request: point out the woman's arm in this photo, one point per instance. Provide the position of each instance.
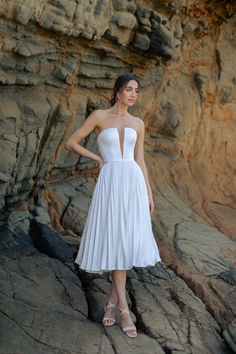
(72, 144)
(139, 158)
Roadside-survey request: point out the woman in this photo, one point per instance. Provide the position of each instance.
(118, 233)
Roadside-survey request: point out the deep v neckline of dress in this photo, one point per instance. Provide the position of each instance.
(121, 140)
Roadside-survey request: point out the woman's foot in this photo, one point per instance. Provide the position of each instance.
(127, 324)
(109, 315)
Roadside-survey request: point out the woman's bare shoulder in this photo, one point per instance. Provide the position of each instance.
(96, 117)
(98, 113)
(139, 123)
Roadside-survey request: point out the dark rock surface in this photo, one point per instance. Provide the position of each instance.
(48, 308)
(230, 335)
(48, 241)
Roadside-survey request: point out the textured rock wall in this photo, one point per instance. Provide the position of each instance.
(58, 62)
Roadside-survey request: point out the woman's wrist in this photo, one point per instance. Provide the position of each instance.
(98, 159)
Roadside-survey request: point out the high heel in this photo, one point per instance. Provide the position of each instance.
(108, 304)
(129, 328)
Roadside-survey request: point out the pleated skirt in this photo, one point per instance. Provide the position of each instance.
(118, 234)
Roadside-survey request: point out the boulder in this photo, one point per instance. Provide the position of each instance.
(49, 241)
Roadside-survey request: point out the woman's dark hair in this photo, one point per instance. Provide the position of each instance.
(120, 83)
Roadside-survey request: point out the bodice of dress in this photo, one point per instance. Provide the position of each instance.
(110, 147)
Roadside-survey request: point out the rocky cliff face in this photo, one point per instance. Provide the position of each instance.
(59, 60)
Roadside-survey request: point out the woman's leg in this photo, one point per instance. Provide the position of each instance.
(119, 280)
(113, 299)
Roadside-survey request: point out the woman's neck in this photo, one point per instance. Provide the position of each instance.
(119, 109)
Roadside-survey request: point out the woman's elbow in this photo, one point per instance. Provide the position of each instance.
(140, 161)
(68, 145)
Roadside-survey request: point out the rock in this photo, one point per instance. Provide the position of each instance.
(127, 345)
(42, 216)
(141, 41)
(154, 292)
(28, 48)
(76, 213)
(228, 275)
(19, 220)
(199, 254)
(8, 146)
(163, 304)
(13, 244)
(126, 20)
(194, 248)
(50, 242)
(62, 74)
(40, 298)
(224, 53)
(144, 14)
(230, 335)
(72, 238)
(72, 203)
(120, 33)
(125, 5)
(161, 41)
(165, 308)
(201, 78)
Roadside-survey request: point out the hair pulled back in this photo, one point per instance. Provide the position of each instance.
(120, 83)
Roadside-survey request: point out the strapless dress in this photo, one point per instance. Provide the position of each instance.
(117, 234)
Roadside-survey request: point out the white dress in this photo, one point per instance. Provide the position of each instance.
(118, 231)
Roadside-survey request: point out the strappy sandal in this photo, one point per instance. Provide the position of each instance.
(108, 304)
(125, 329)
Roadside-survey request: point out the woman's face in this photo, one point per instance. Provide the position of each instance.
(129, 94)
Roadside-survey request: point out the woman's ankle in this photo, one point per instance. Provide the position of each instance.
(112, 299)
(122, 303)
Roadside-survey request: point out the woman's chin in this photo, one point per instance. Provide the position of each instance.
(131, 103)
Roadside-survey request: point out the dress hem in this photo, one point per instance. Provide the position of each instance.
(96, 271)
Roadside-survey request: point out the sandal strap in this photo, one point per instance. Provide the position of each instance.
(108, 318)
(129, 328)
(122, 311)
(109, 304)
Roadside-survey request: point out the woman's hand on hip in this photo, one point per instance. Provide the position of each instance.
(100, 164)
